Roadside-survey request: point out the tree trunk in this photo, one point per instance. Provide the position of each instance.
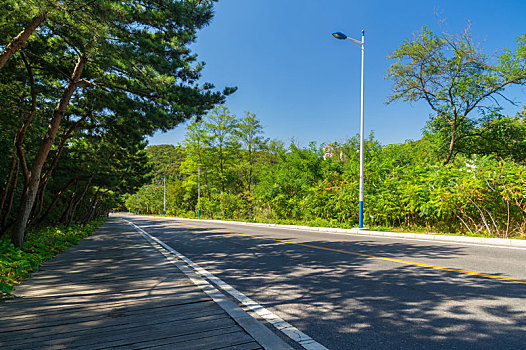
(92, 206)
(39, 202)
(21, 134)
(7, 183)
(28, 199)
(11, 198)
(55, 200)
(78, 201)
(47, 174)
(451, 144)
(66, 212)
(65, 136)
(18, 41)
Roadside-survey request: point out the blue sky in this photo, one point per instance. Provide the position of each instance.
(302, 83)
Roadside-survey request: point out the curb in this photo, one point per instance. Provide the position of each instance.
(423, 236)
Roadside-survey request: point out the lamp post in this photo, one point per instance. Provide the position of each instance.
(146, 190)
(164, 193)
(198, 191)
(198, 185)
(361, 44)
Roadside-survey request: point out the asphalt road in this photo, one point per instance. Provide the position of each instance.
(356, 291)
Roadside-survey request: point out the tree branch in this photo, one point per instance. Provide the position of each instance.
(20, 40)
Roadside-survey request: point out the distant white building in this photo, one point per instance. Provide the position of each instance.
(332, 151)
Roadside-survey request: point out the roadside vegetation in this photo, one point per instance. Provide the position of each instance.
(466, 175)
(41, 245)
(82, 84)
(407, 186)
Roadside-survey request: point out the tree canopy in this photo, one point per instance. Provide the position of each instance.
(458, 81)
(83, 77)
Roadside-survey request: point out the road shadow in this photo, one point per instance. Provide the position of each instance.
(114, 290)
(352, 300)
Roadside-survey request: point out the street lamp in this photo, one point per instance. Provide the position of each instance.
(198, 191)
(146, 190)
(198, 186)
(164, 198)
(361, 44)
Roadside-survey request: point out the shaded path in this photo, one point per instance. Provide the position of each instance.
(114, 290)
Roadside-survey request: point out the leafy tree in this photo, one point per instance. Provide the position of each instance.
(501, 136)
(212, 148)
(198, 162)
(133, 68)
(222, 151)
(29, 16)
(83, 176)
(406, 186)
(220, 129)
(165, 160)
(284, 185)
(457, 81)
(249, 134)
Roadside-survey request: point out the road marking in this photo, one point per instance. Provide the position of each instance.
(289, 330)
(361, 235)
(407, 262)
(423, 240)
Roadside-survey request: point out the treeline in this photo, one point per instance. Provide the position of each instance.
(81, 84)
(242, 175)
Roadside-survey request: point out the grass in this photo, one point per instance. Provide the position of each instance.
(40, 245)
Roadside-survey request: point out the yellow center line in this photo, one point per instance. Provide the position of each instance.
(366, 255)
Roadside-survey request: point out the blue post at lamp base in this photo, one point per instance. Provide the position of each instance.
(360, 220)
(198, 213)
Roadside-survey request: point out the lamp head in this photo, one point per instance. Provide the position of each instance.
(339, 35)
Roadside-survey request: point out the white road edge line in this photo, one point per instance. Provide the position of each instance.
(286, 328)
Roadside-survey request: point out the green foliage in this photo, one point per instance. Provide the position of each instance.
(481, 191)
(167, 160)
(283, 185)
(138, 76)
(41, 245)
(212, 149)
(249, 134)
(478, 196)
(458, 82)
(406, 185)
(501, 136)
